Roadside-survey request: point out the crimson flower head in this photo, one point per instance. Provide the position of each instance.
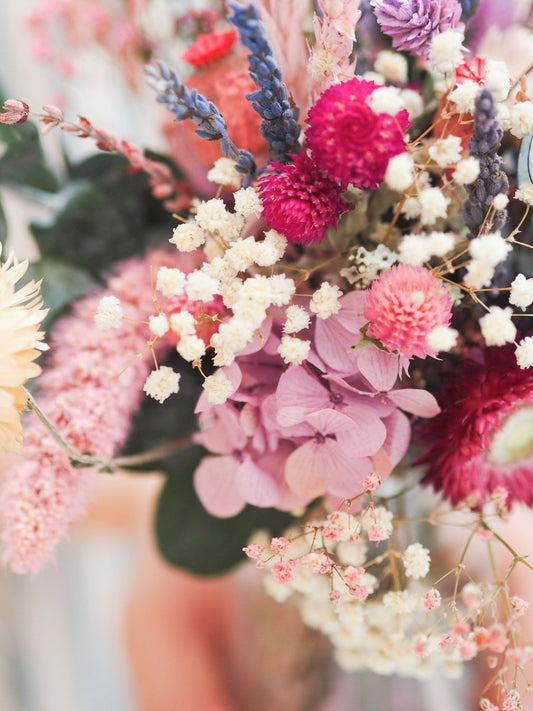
(299, 201)
(482, 441)
(349, 141)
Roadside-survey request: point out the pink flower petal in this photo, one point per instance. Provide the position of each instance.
(380, 368)
(216, 486)
(417, 402)
(256, 485)
(335, 335)
(304, 471)
(398, 436)
(221, 431)
(358, 436)
(297, 394)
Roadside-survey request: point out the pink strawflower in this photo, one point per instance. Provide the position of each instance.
(299, 201)
(349, 142)
(81, 393)
(402, 306)
(482, 439)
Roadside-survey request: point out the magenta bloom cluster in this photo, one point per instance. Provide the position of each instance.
(288, 436)
(349, 144)
(412, 24)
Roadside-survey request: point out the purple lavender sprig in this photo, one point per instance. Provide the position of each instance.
(280, 125)
(189, 104)
(492, 180)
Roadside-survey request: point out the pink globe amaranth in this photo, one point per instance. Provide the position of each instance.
(349, 142)
(476, 404)
(299, 201)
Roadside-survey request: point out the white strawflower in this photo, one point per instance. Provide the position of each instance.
(445, 151)
(190, 347)
(500, 201)
(170, 282)
(224, 172)
(297, 319)
(525, 193)
(524, 353)
(433, 205)
(521, 292)
(464, 96)
(188, 237)
(497, 79)
(446, 51)
(496, 327)
(415, 249)
(108, 313)
(466, 171)
(158, 325)
(416, 560)
(442, 338)
(293, 350)
(247, 202)
(386, 100)
(392, 65)
(325, 301)
(400, 172)
(218, 387)
(201, 287)
(162, 383)
(522, 119)
(491, 248)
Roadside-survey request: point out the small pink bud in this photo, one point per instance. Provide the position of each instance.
(16, 111)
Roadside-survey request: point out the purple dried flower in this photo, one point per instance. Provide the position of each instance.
(412, 24)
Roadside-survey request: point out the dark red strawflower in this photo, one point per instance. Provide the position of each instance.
(209, 47)
(483, 438)
(299, 201)
(350, 142)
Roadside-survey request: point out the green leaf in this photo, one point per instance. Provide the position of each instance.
(190, 538)
(61, 284)
(22, 163)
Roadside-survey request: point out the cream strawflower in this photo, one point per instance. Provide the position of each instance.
(21, 314)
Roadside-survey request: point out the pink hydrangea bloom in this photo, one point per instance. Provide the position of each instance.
(403, 306)
(349, 142)
(299, 201)
(81, 394)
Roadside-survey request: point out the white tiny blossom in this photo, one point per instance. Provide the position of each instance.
(188, 237)
(385, 100)
(108, 313)
(491, 248)
(497, 79)
(442, 338)
(446, 51)
(158, 325)
(162, 383)
(521, 292)
(464, 96)
(322, 63)
(297, 319)
(183, 323)
(277, 241)
(224, 172)
(218, 388)
(392, 65)
(479, 274)
(524, 353)
(522, 119)
(415, 249)
(293, 350)
(282, 289)
(503, 116)
(496, 326)
(241, 254)
(376, 77)
(500, 201)
(170, 282)
(201, 287)
(190, 347)
(413, 102)
(433, 204)
(219, 268)
(441, 243)
(466, 171)
(525, 193)
(400, 172)
(211, 215)
(400, 601)
(416, 561)
(229, 291)
(445, 151)
(325, 301)
(412, 208)
(247, 202)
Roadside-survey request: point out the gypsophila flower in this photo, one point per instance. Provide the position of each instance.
(170, 282)
(415, 249)
(224, 172)
(500, 201)
(442, 338)
(497, 79)
(201, 287)
(211, 215)
(521, 292)
(108, 314)
(325, 301)
(392, 65)
(162, 383)
(496, 326)
(188, 237)
(433, 205)
(464, 96)
(522, 119)
(386, 100)
(446, 51)
(416, 560)
(445, 151)
(218, 387)
(466, 171)
(297, 319)
(432, 599)
(182, 322)
(158, 325)
(293, 350)
(490, 248)
(413, 102)
(190, 347)
(524, 353)
(400, 172)
(247, 203)
(525, 193)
